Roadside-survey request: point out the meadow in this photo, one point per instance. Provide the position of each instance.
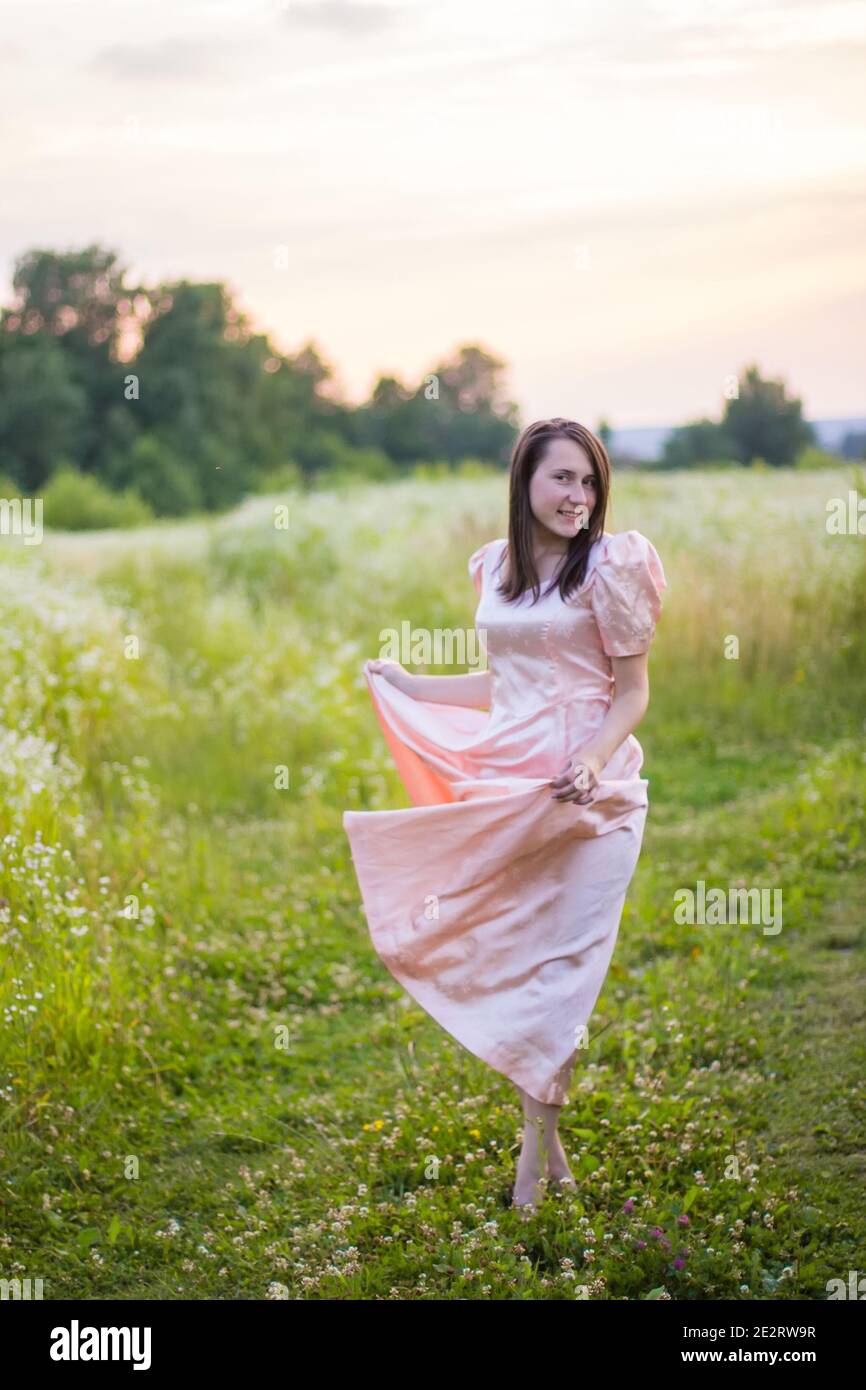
(211, 1088)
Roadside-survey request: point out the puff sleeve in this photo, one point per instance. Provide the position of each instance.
(626, 594)
(476, 567)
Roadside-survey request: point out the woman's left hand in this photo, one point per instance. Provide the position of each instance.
(577, 782)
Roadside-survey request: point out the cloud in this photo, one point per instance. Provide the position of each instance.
(341, 16)
(169, 58)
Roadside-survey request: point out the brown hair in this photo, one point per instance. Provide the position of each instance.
(528, 453)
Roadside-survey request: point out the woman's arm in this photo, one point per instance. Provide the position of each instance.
(628, 707)
(472, 690)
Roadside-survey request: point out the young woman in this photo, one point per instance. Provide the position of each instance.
(495, 900)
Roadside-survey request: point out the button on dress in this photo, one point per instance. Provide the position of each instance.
(494, 906)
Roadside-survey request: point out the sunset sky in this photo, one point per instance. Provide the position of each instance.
(626, 202)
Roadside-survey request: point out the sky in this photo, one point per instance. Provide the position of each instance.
(627, 203)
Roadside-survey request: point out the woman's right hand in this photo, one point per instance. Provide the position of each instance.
(393, 672)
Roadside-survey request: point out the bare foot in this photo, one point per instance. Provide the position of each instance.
(529, 1184)
(558, 1170)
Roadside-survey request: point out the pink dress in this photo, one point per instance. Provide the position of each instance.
(496, 907)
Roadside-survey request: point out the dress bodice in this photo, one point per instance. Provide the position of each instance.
(558, 651)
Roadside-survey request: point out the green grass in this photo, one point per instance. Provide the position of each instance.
(211, 1088)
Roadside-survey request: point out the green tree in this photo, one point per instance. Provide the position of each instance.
(458, 410)
(191, 396)
(149, 468)
(478, 420)
(764, 422)
(221, 400)
(168, 391)
(79, 300)
(702, 441)
(43, 410)
(395, 421)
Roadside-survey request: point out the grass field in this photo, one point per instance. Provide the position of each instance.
(212, 1088)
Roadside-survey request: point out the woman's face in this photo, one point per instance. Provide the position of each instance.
(563, 489)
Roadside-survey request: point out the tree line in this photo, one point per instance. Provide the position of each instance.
(169, 391)
(168, 397)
